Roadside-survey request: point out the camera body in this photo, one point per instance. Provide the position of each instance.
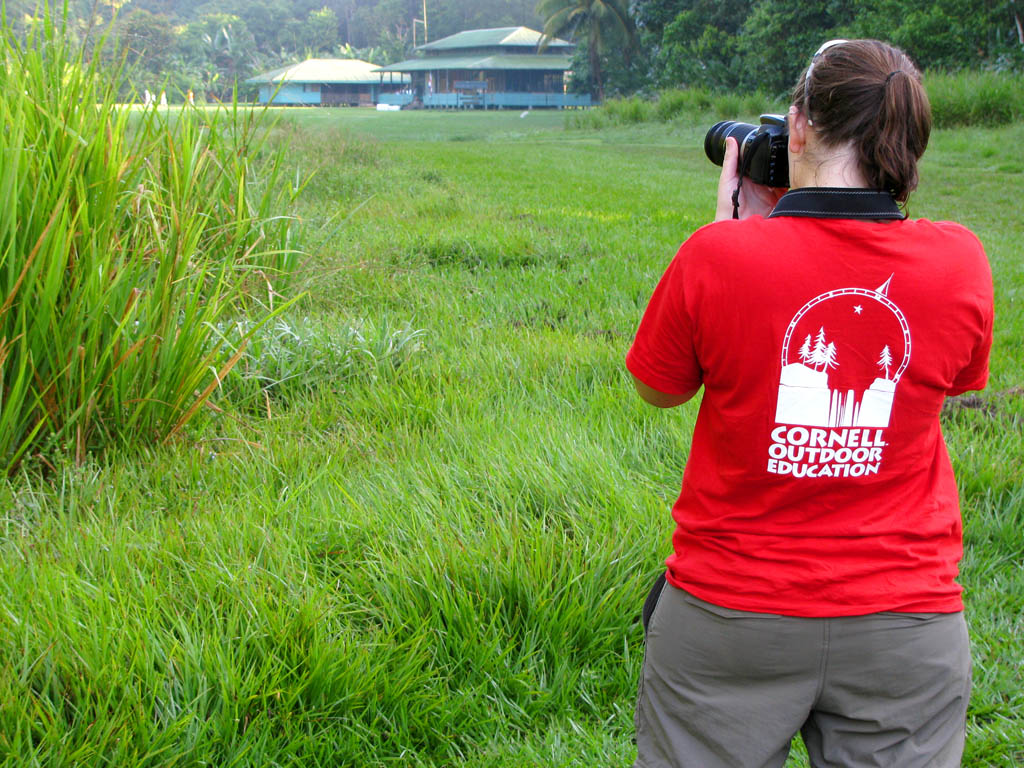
(764, 157)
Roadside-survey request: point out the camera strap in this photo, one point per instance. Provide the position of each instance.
(744, 170)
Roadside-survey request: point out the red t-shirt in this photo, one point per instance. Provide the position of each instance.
(818, 482)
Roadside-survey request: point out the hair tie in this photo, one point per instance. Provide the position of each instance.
(890, 76)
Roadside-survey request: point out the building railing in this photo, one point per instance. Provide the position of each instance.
(496, 100)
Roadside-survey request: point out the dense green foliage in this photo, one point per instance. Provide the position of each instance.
(765, 43)
(125, 237)
(437, 557)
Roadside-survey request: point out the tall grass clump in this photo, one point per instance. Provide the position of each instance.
(124, 239)
(978, 98)
(975, 98)
(631, 110)
(677, 104)
(288, 359)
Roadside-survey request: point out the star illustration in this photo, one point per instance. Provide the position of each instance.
(858, 309)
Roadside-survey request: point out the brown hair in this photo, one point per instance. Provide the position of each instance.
(869, 93)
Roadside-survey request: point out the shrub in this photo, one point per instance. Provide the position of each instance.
(124, 238)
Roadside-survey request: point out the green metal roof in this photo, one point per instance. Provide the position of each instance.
(505, 37)
(350, 71)
(500, 61)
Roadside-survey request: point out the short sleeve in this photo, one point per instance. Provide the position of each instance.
(974, 376)
(662, 355)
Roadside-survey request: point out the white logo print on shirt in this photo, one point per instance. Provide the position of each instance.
(838, 381)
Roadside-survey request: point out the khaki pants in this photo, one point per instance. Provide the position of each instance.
(729, 689)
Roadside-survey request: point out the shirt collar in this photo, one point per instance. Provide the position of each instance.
(838, 203)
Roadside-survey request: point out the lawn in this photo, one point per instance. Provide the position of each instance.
(427, 544)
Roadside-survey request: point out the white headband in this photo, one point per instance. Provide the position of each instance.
(807, 78)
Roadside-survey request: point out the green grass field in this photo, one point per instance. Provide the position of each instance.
(427, 542)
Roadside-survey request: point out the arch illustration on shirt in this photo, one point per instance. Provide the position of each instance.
(839, 360)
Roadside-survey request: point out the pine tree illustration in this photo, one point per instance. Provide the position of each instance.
(818, 355)
(830, 356)
(885, 360)
(805, 350)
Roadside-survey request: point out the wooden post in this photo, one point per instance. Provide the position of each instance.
(422, 21)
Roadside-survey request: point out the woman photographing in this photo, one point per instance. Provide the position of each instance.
(812, 585)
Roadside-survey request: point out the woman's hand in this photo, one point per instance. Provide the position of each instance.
(755, 199)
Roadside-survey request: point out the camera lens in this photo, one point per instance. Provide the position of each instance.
(714, 141)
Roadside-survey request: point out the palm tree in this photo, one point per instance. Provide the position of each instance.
(602, 22)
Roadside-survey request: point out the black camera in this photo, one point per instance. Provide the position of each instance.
(763, 148)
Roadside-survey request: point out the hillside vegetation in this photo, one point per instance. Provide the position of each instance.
(211, 47)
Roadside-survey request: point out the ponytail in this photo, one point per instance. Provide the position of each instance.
(869, 94)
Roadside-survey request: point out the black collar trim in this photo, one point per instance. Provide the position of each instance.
(838, 203)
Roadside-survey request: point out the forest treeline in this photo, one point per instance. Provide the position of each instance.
(623, 47)
(763, 44)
